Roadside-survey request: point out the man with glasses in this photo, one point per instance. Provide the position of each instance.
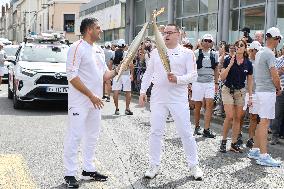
(206, 85)
(267, 87)
(169, 94)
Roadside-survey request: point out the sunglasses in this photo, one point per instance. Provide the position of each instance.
(169, 33)
(278, 38)
(207, 40)
(240, 45)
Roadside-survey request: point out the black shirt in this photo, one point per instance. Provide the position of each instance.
(238, 73)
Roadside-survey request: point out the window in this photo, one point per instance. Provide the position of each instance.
(234, 3)
(190, 28)
(69, 22)
(208, 6)
(280, 18)
(207, 24)
(140, 12)
(109, 3)
(251, 2)
(164, 15)
(254, 18)
(190, 7)
(234, 26)
(108, 35)
(179, 8)
(151, 5)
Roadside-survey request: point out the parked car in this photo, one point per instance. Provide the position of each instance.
(10, 53)
(5, 41)
(38, 74)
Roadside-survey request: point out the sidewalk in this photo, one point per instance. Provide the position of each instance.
(218, 124)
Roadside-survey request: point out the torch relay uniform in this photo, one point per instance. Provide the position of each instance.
(170, 97)
(88, 63)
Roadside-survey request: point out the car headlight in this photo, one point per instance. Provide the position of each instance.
(27, 72)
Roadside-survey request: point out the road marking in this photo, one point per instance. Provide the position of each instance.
(14, 173)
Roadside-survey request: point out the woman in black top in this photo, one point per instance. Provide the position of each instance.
(236, 70)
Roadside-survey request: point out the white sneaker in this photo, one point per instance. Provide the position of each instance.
(196, 172)
(152, 171)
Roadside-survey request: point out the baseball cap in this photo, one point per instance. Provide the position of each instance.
(121, 43)
(255, 45)
(208, 36)
(274, 32)
(108, 44)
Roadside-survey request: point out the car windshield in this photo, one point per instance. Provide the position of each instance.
(10, 51)
(44, 53)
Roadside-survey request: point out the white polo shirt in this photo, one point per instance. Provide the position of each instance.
(88, 63)
(182, 63)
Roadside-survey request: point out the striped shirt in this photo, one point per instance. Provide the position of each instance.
(279, 63)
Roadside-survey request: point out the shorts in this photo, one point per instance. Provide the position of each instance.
(266, 104)
(253, 108)
(202, 90)
(237, 98)
(124, 83)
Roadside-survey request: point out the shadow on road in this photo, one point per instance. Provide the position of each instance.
(33, 109)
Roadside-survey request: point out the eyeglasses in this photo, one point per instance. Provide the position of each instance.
(277, 38)
(207, 40)
(240, 45)
(169, 33)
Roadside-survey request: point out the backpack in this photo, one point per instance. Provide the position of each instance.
(118, 56)
(200, 59)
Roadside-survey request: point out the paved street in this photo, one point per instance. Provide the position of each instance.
(31, 144)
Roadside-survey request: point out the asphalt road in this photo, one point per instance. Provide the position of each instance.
(31, 144)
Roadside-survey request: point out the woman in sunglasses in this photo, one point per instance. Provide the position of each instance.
(237, 69)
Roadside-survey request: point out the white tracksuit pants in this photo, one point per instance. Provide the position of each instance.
(181, 116)
(83, 123)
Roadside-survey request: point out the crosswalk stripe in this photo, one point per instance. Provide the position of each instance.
(14, 173)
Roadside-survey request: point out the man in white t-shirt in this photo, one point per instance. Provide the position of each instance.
(267, 87)
(86, 72)
(124, 83)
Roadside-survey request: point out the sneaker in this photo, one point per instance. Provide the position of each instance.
(235, 148)
(274, 140)
(254, 154)
(223, 146)
(197, 130)
(128, 112)
(267, 160)
(93, 175)
(152, 171)
(239, 140)
(196, 172)
(116, 112)
(208, 133)
(71, 182)
(250, 143)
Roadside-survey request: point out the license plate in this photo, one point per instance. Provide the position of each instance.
(57, 89)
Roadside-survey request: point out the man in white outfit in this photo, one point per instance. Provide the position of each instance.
(86, 72)
(169, 94)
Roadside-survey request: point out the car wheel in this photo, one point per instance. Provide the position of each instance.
(10, 93)
(16, 102)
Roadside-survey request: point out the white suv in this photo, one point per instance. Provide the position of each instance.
(38, 74)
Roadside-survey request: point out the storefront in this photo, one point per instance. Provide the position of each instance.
(222, 18)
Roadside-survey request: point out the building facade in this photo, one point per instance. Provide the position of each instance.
(221, 18)
(23, 17)
(111, 15)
